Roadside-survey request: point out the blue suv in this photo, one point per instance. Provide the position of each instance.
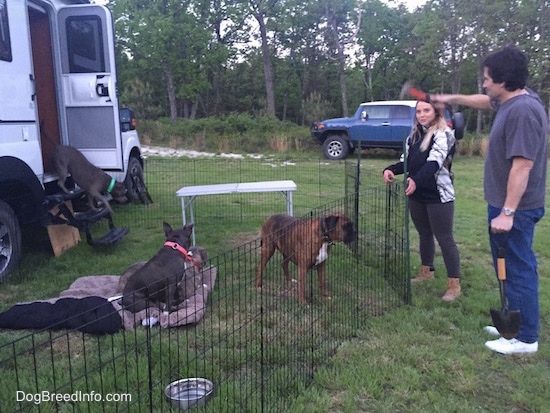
(383, 124)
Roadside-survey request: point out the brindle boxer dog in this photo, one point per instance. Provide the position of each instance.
(306, 243)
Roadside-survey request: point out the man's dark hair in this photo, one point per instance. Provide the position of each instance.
(508, 65)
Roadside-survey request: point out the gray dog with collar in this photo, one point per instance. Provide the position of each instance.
(191, 280)
(158, 279)
(306, 243)
(94, 181)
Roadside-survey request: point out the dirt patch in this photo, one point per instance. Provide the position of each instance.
(245, 237)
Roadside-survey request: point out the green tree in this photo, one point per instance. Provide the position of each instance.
(262, 10)
(343, 20)
(172, 41)
(383, 50)
(296, 60)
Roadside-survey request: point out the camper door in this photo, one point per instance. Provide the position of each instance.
(18, 127)
(88, 86)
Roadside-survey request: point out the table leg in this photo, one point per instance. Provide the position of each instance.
(191, 215)
(288, 197)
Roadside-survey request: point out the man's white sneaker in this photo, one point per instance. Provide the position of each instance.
(512, 346)
(491, 330)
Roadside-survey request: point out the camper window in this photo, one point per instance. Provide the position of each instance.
(5, 45)
(85, 44)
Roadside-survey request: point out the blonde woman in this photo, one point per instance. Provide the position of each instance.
(431, 193)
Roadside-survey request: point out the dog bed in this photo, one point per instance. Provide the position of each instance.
(91, 304)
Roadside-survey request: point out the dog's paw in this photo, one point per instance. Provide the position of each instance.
(166, 320)
(149, 321)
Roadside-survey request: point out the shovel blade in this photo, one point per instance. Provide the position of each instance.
(507, 322)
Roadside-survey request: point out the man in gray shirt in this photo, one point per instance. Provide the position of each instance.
(514, 184)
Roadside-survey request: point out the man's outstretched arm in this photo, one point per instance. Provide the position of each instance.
(478, 101)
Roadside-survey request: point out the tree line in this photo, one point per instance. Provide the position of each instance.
(306, 60)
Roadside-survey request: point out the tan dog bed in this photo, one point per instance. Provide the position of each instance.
(90, 304)
(189, 311)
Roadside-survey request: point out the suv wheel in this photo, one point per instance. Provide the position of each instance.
(336, 147)
(10, 240)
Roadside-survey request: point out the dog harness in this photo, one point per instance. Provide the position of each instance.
(111, 185)
(188, 256)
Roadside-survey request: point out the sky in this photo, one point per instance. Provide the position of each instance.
(411, 4)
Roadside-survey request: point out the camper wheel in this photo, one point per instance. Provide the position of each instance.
(10, 240)
(135, 182)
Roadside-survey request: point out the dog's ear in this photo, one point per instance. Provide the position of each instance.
(203, 254)
(331, 221)
(185, 232)
(120, 188)
(199, 254)
(167, 228)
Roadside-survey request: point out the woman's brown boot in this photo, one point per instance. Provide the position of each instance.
(425, 273)
(453, 289)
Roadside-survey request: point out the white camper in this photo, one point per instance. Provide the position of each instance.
(57, 87)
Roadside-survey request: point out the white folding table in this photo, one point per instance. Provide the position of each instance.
(189, 193)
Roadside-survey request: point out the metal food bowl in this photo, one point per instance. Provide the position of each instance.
(188, 393)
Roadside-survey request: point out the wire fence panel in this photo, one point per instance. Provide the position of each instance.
(260, 347)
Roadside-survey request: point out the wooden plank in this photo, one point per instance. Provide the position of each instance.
(63, 237)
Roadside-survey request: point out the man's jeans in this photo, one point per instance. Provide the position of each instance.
(522, 280)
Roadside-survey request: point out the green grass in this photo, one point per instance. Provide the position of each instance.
(428, 357)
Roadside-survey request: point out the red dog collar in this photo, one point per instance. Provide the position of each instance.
(178, 247)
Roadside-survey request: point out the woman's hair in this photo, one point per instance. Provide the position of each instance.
(439, 123)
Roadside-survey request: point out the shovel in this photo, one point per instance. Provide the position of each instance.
(409, 90)
(506, 321)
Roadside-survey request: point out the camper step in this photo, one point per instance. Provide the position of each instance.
(60, 197)
(82, 220)
(87, 219)
(114, 235)
(61, 210)
(90, 215)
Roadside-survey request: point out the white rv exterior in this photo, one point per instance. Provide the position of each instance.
(57, 87)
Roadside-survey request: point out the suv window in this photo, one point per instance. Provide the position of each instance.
(378, 112)
(401, 112)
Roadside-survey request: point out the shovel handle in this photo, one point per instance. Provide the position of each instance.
(501, 263)
(501, 269)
